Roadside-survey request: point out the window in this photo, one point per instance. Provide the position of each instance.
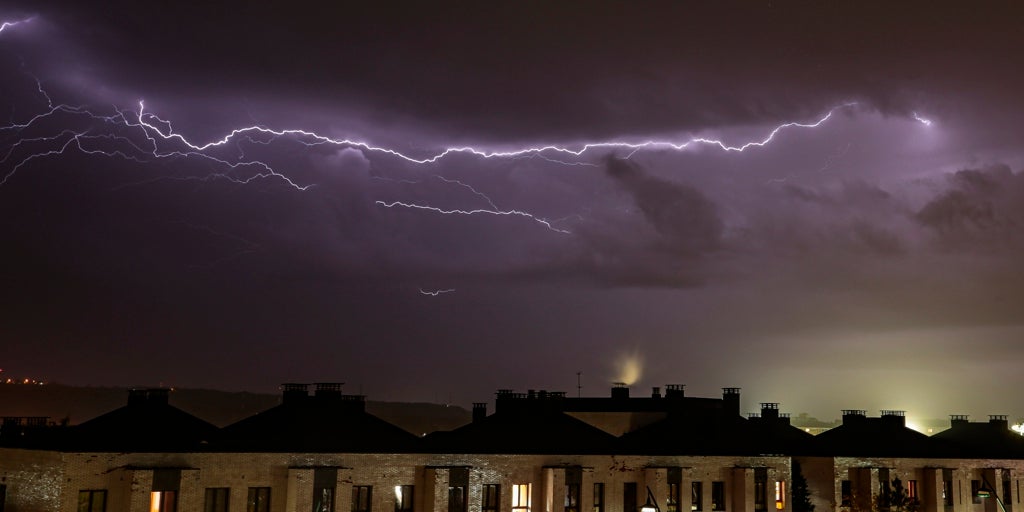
(521, 498)
(216, 499)
(362, 498)
(598, 497)
(760, 489)
(325, 481)
(456, 498)
(780, 494)
(163, 501)
(847, 491)
(912, 489)
(491, 498)
(572, 497)
(403, 498)
(258, 500)
(1006, 494)
(673, 497)
(629, 497)
(947, 492)
(717, 495)
(696, 496)
(88, 501)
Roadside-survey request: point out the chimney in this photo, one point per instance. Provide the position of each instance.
(620, 390)
(327, 390)
(895, 418)
(731, 401)
(292, 392)
(655, 392)
(853, 416)
(479, 411)
(770, 410)
(998, 421)
(958, 420)
(674, 390)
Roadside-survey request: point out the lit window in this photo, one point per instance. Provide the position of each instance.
(258, 500)
(91, 501)
(163, 501)
(780, 495)
(216, 499)
(673, 497)
(696, 496)
(403, 498)
(361, 498)
(912, 489)
(491, 498)
(521, 498)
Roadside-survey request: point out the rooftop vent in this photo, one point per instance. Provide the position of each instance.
(620, 390)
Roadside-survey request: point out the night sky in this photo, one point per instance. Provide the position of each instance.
(867, 257)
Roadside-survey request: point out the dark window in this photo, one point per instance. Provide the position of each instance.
(696, 496)
(629, 497)
(3, 496)
(883, 489)
(1006, 495)
(258, 500)
(760, 489)
(598, 497)
(491, 498)
(572, 497)
(362, 498)
(456, 498)
(673, 497)
(325, 482)
(88, 501)
(847, 490)
(947, 490)
(717, 495)
(216, 499)
(975, 487)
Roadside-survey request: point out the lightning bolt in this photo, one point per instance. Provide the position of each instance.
(9, 24)
(143, 136)
(479, 211)
(922, 120)
(435, 293)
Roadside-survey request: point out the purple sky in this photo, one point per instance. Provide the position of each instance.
(872, 261)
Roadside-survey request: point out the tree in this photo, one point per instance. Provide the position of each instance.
(801, 496)
(895, 499)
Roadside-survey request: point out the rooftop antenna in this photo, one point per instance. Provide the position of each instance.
(579, 385)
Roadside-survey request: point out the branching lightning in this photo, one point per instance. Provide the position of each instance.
(142, 136)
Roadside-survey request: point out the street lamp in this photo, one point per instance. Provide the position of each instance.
(651, 505)
(987, 490)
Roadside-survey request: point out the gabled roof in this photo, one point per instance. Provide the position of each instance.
(990, 440)
(326, 422)
(540, 430)
(886, 436)
(148, 423)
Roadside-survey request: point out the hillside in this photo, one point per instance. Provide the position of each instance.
(79, 404)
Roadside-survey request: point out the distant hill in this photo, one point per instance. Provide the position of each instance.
(78, 404)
